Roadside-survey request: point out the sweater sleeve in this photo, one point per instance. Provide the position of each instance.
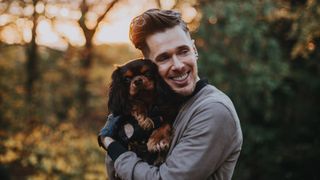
(211, 136)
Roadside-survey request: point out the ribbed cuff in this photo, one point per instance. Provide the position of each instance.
(115, 149)
(100, 142)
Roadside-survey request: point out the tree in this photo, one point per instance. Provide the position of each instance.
(263, 55)
(86, 61)
(15, 10)
(32, 63)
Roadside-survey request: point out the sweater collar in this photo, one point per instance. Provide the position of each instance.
(199, 85)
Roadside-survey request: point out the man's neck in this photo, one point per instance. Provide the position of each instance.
(199, 85)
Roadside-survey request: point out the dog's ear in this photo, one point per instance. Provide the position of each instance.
(118, 94)
(163, 88)
(166, 95)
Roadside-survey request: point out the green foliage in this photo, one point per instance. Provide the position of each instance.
(252, 51)
(240, 53)
(56, 152)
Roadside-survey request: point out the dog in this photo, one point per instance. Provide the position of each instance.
(140, 96)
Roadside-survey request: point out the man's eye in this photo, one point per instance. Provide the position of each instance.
(162, 58)
(184, 52)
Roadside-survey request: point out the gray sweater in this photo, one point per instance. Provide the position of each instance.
(206, 143)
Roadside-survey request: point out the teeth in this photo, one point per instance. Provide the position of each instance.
(181, 77)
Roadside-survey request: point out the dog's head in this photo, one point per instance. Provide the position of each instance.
(134, 81)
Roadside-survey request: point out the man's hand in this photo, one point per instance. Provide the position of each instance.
(108, 132)
(111, 126)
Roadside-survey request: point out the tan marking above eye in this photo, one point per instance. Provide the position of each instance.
(144, 69)
(128, 74)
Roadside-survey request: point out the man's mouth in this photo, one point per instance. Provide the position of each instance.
(180, 77)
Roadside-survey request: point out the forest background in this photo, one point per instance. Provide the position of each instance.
(56, 57)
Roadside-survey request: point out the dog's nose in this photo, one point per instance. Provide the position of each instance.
(138, 82)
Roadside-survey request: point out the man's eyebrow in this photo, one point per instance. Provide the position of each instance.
(161, 55)
(183, 47)
(177, 48)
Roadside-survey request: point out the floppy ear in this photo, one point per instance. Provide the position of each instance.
(166, 95)
(163, 89)
(118, 94)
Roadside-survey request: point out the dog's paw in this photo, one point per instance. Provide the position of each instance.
(158, 146)
(146, 123)
(158, 142)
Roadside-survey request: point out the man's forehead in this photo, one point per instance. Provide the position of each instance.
(167, 40)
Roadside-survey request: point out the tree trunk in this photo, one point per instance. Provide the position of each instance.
(83, 92)
(32, 61)
(86, 61)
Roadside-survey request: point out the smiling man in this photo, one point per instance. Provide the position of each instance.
(207, 136)
(174, 53)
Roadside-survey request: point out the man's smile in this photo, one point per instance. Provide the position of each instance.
(180, 77)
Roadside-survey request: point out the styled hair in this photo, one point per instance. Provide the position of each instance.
(153, 21)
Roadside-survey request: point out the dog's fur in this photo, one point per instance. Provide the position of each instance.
(137, 89)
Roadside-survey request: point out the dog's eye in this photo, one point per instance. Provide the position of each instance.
(127, 79)
(148, 74)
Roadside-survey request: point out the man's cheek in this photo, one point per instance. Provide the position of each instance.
(162, 74)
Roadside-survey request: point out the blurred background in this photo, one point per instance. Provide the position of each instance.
(56, 57)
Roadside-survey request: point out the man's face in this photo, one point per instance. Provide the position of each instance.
(174, 53)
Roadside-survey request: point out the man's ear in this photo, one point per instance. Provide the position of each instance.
(194, 48)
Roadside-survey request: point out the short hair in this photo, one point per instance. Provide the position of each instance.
(151, 22)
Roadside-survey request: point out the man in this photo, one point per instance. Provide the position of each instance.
(207, 135)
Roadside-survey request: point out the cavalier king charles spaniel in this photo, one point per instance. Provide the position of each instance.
(139, 95)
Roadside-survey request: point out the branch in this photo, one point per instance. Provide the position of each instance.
(159, 4)
(105, 13)
(6, 8)
(175, 5)
(87, 32)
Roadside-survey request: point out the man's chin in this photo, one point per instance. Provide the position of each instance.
(186, 91)
(182, 90)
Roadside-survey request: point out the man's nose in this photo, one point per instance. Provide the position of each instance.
(176, 63)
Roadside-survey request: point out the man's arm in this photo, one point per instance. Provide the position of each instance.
(210, 138)
(104, 140)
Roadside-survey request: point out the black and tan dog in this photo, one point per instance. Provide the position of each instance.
(140, 96)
